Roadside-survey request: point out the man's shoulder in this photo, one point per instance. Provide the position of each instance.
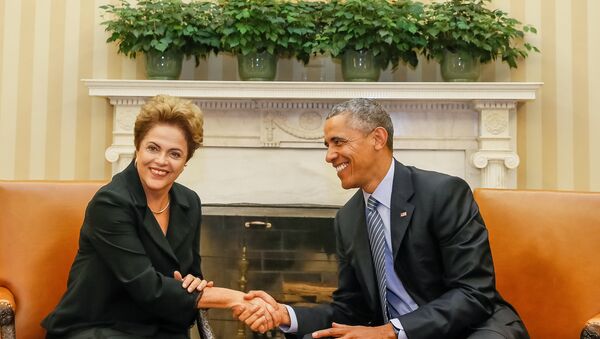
(354, 203)
(422, 178)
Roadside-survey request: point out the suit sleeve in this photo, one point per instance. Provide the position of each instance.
(467, 263)
(114, 235)
(349, 305)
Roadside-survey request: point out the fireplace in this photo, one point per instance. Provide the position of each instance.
(287, 251)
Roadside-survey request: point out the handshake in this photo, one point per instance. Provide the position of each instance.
(260, 312)
(257, 309)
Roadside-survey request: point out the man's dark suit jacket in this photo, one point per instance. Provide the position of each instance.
(122, 276)
(441, 254)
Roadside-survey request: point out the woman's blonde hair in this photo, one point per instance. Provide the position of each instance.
(165, 109)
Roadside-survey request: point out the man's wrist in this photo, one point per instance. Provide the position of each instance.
(398, 328)
(285, 315)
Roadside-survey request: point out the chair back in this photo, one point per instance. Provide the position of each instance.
(39, 233)
(546, 246)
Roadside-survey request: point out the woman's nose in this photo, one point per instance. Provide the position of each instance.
(161, 158)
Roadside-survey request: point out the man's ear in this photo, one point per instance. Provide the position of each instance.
(380, 135)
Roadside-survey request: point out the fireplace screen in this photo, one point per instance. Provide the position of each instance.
(289, 253)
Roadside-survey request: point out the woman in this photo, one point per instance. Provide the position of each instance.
(137, 270)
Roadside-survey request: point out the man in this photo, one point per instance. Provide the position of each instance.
(414, 257)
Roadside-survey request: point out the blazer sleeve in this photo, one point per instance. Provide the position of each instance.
(349, 305)
(196, 269)
(466, 257)
(113, 232)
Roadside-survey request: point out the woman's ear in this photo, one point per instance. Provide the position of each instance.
(380, 135)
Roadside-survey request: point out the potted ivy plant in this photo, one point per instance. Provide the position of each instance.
(258, 32)
(462, 34)
(164, 30)
(371, 35)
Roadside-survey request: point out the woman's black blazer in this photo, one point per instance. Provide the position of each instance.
(122, 276)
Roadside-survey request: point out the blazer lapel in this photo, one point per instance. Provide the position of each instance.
(179, 223)
(362, 246)
(401, 209)
(153, 228)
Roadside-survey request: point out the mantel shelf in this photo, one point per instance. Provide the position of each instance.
(436, 91)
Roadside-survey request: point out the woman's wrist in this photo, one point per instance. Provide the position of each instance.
(218, 297)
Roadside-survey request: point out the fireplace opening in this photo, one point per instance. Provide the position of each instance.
(287, 251)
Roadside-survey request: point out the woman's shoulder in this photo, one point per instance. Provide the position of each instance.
(185, 193)
(116, 191)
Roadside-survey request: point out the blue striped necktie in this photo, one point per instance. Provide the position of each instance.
(377, 240)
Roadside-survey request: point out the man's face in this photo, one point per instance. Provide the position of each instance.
(351, 152)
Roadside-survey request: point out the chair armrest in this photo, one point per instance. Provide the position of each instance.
(7, 314)
(591, 330)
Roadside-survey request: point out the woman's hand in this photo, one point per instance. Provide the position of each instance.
(192, 283)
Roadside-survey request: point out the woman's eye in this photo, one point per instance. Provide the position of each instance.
(175, 155)
(152, 148)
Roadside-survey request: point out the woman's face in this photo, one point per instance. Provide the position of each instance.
(161, 157)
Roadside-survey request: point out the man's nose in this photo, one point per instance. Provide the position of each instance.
(330, 155)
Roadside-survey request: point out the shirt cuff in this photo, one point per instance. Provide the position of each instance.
(293, 328)
(398, 326)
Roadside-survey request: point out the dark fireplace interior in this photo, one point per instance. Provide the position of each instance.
(288, 252)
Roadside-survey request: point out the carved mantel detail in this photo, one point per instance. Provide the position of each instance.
(477, 120)
(496, 153)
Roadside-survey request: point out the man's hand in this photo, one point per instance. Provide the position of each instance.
(256, 314)
(356, 332)
(254, 317)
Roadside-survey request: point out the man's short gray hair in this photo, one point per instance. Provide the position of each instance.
(365, 115)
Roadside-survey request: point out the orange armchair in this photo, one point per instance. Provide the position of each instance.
(39, 232)
(545, 246)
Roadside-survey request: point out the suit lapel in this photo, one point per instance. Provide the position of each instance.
(360, 241)
(401, 209)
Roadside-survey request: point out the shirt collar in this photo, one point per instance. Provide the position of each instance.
(383, 192)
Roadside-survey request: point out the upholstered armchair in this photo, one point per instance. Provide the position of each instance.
(39, 232)
(545, 247)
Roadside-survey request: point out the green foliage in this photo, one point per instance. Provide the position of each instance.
(387, 28)
(280, 28)
(394, 30)
(302, 26)
(162, 24)
(470, 26)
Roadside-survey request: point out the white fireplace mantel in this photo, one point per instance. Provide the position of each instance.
(264, 139)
